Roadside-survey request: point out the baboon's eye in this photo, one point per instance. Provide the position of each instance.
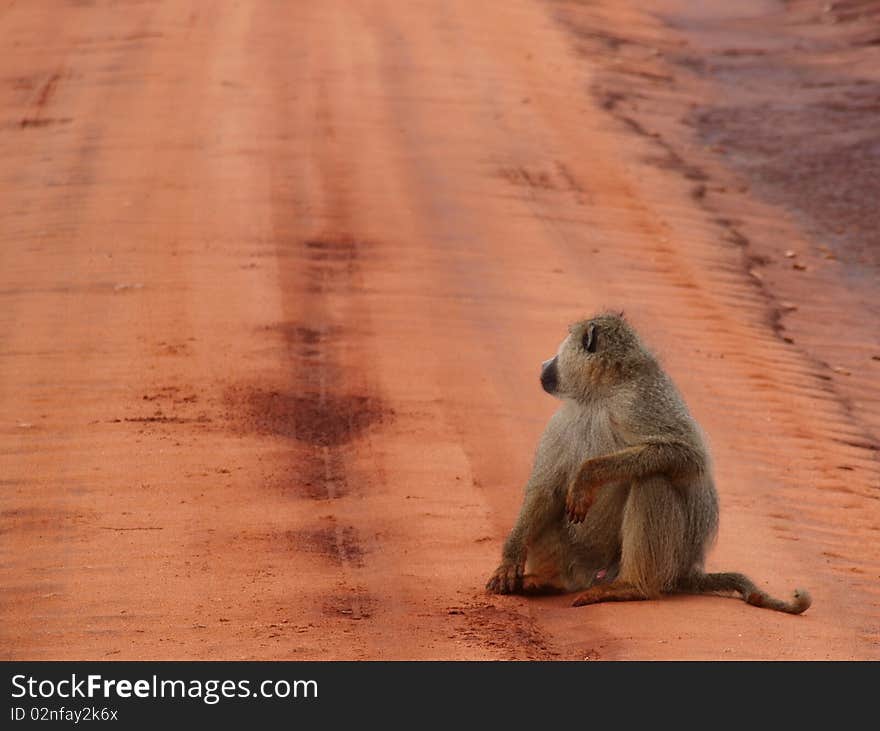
(590, 337)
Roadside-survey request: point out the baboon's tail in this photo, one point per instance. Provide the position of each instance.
(732, 582)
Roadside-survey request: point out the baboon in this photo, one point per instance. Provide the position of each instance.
(621, 504)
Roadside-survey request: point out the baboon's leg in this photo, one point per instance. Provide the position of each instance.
(544, 563)
(615, 592)
(654, 538)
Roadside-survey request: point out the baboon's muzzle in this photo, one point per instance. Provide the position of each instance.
(549, 375)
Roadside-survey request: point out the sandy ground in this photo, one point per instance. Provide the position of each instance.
(276, 280)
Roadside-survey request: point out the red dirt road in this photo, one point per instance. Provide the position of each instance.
(275, 283)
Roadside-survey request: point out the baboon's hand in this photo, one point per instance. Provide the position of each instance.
(507, 579)
(578, 502)
(582, 492)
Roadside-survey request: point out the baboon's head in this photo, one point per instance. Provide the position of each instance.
(599, 352)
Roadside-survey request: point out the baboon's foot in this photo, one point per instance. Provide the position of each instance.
(507, 579)
(537, 585)
(608, 593)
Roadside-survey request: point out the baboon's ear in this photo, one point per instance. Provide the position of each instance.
(590, 337)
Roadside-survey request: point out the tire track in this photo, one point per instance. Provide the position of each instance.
(318, 407)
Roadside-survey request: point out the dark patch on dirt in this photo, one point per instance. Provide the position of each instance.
(558, 178)
(332, 264)
(306, 337)
(821, 160)
(44, 96)
(179, 401)
(338, 544)
(172, 395)
(799, 116)
(343, 255)
(47, 90)
(39, 519)
(44, 122)
(538, 179)
(329, 420)
(670, 159)
(355, 605)
(345, 244)
(162, 419)
(317, 407)
(516, 635)
(859, 444)
(316, 475)
(608, 41)
(329, 254)
(163, 348)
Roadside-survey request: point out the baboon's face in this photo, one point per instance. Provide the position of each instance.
(597, 352)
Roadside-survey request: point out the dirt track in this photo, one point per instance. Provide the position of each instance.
(276, 280)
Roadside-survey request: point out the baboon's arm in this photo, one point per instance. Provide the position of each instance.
(542, 506)
(652, 457)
